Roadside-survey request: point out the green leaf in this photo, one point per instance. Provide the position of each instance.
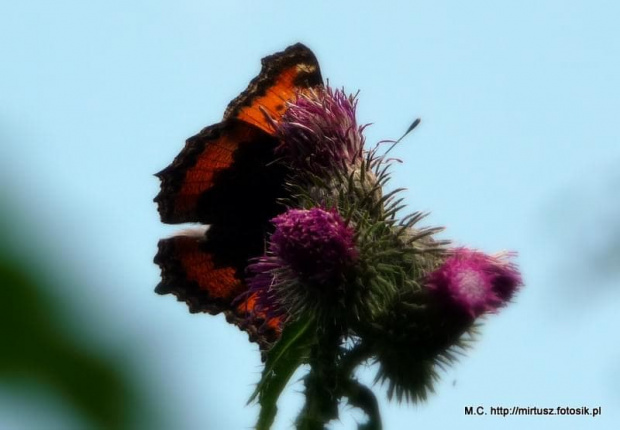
(283, 359)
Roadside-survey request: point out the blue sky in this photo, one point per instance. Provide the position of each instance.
(518, 149)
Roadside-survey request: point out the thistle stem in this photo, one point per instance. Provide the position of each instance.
(362, 397)
(322, 391)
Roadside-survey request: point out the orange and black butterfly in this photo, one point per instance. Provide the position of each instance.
(226, 178)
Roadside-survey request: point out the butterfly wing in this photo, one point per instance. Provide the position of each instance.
(189, 184)
(206, 271)
(226, 177)
(283, 75)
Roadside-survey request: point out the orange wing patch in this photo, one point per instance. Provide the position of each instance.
(194, 171)
(268, 324)
(273, 103)
(283, 76)
(218, 282)
(190, 273)
(216, 156)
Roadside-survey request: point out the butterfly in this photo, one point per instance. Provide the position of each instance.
(225, 177)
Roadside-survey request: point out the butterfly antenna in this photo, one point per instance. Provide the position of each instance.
(413, 125)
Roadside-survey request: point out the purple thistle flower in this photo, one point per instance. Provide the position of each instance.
(319, 131)
(315, 243)
(474, 283)
(309, 247)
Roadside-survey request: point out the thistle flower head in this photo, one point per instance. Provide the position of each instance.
(319, 131)
(315, 243)
(309, 250)
(474, 283)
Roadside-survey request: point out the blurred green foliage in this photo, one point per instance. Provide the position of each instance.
(37, 348)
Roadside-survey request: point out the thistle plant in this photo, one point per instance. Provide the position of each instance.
(353, 281)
